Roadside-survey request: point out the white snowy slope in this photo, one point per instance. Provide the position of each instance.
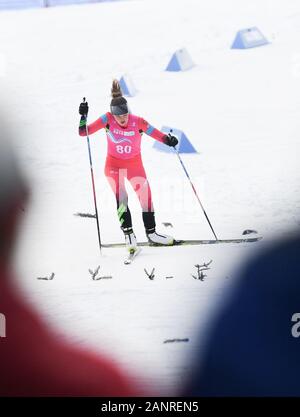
(239, 108)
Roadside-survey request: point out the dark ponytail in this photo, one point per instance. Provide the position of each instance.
(116, 89)
(118, 104)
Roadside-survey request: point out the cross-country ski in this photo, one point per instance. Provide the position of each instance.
(188, 242)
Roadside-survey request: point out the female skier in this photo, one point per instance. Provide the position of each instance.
(124, 132)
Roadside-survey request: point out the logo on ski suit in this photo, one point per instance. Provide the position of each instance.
(115, 140)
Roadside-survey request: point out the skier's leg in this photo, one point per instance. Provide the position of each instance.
(116, 177)
(137, 176)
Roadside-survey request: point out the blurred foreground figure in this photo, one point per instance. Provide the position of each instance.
(254, 345)
(33, 362)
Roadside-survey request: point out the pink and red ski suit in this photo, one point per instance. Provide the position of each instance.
(124, 161)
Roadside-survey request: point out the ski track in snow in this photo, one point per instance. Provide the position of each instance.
(238, 108)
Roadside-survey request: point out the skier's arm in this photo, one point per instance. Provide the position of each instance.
(93, 127)
(156, 134)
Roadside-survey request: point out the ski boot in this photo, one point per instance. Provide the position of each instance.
(130, 240)
(156, 239)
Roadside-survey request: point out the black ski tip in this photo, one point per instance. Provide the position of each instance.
(92, 216)
(249, 231)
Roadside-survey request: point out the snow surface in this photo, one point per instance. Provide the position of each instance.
(239, 108)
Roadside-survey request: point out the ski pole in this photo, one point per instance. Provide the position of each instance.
(93, 184)
(195, 192)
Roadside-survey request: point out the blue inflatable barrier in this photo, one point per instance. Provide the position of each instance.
(184, 145)
(249, 38)
(127, 87)
(180, 61)
(24, 4)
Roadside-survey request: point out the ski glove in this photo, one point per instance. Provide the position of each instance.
(84, 108)
(170, 140)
